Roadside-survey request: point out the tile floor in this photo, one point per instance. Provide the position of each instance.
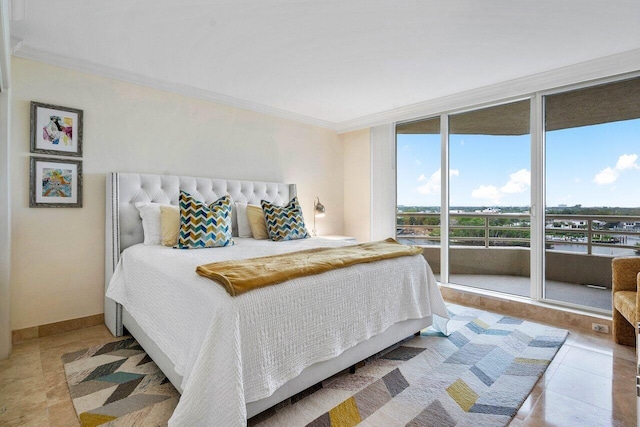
(591, 382)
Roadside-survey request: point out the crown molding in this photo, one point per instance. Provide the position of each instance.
(23, 50)
(601, 68)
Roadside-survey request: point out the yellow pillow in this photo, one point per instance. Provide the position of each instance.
(169, 225)
(257, 223)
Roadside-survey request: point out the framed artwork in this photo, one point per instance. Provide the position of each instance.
(56, 130)
(55, 183)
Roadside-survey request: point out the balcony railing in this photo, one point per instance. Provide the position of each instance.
(575, 233)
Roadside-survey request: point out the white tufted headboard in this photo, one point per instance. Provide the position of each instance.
(124, 226)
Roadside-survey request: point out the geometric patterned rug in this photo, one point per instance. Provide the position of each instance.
(118, 384)
(478, 376)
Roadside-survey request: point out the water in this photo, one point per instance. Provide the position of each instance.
(608, 250)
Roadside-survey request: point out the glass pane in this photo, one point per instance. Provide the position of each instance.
(592, 173)
(418, 187)
(490, 158)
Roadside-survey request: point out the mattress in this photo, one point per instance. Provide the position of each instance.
(234, 350)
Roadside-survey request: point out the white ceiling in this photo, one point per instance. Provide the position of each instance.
(327, 61)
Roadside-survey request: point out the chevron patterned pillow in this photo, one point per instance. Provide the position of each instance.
(203, 226)
(284, 222)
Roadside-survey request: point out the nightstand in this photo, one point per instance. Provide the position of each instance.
(337, 237)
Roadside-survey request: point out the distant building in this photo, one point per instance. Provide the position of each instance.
(630, 225)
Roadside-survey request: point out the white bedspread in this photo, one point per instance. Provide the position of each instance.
(233, 350)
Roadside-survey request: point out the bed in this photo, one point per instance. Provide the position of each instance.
(234, 357)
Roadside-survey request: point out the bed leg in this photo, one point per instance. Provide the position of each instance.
(352, 369)
(417, 334)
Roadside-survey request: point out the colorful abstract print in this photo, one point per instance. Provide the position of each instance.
(284, 222)
(203, 226)
(56, 182)
(59, 129)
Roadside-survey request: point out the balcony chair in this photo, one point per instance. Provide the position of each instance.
(625, 281)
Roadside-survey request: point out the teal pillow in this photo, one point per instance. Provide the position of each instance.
(284, 222)
(203, 226)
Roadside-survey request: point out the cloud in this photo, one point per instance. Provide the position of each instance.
(606, 176)
(610, 175)
(627, 161)
(518, 182)
(488, 192)
(432, 185)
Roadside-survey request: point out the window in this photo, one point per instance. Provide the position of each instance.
(489, 214)
(592, 138)
(418, 182)
(586, 148)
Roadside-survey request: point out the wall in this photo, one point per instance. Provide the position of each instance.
(357, 184)
(560, 266)
(5, 183)
(370, 201)
(5, 228)
(58, 254)
(578, 268)
(481, 260)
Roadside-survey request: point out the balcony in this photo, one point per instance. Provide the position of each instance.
(490, 250)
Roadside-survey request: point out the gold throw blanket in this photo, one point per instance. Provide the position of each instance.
(241, 276)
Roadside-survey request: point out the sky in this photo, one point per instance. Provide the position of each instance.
(594, 165)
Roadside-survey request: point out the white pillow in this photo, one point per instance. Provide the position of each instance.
(244, 229)
(150, 214)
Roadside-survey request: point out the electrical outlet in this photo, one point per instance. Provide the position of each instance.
(598, 327)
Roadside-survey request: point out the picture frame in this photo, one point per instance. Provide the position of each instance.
(56, 130)
(55, 183)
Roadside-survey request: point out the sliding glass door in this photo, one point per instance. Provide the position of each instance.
(419, 187)
(592, 138)
(467, 181)
(489, 213)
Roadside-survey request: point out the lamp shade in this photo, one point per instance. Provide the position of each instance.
(318, 208)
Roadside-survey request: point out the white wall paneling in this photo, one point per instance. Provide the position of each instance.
(383, 181)
(357, 184)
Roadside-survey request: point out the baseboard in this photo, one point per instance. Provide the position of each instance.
(49, 329)
(538, 312)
